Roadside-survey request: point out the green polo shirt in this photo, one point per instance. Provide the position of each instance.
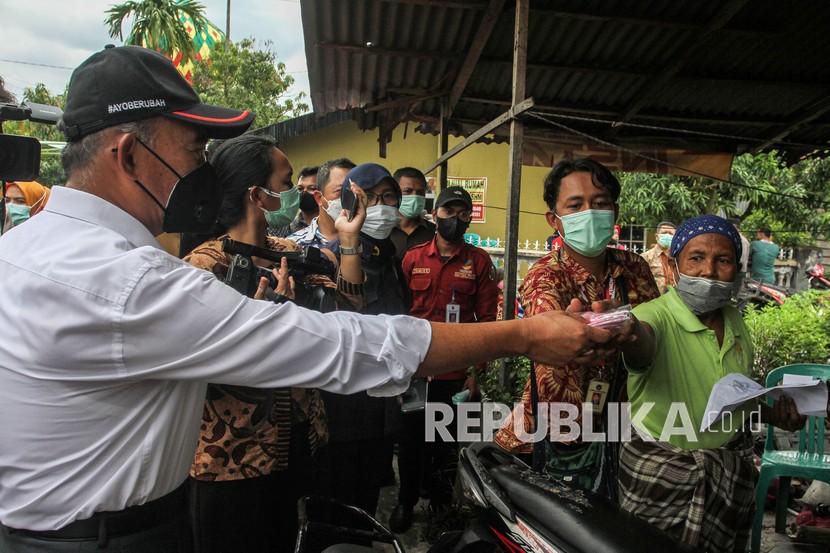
(687, 364)
(764, 255)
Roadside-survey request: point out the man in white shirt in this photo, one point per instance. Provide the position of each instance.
(109, 341)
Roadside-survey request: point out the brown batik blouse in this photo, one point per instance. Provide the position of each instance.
(245, 432)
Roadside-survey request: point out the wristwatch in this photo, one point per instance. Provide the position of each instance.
(352, 251)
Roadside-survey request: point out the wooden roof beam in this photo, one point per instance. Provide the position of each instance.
(813, 111)
(589, 111)
(488, 23)
(377, 50)
(615, 72)
(683, 52)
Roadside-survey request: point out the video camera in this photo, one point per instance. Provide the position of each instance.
(243, 275)
(20, 155)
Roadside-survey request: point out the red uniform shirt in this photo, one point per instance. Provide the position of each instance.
(469, 273)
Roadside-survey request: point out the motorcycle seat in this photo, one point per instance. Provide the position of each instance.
(578, 521)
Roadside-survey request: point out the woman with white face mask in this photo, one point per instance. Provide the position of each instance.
(686, 341)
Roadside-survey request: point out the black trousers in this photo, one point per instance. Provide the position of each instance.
(354, 471)
(255, 514)
(172, 537)
(431, 465)
(171, 534)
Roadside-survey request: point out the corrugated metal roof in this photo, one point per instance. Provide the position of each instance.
(765, 69)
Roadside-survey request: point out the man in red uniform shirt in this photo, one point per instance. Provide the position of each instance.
(450, 281)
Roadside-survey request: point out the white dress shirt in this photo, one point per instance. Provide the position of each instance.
(108, 343)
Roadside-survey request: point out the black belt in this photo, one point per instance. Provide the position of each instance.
(110, 524)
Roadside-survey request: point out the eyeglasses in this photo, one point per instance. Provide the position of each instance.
(387, 198)
(464, 216)
(268, 192)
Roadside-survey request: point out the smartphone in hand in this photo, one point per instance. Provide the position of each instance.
(349, 202)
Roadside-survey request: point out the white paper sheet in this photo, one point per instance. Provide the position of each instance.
(810, 395)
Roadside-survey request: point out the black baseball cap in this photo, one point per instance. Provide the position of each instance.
(129, 83)
(454, 194)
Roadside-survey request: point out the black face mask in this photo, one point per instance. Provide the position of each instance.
(194, 202)
(451, 229)
(307, 202)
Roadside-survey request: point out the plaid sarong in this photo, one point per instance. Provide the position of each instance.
(702, 497)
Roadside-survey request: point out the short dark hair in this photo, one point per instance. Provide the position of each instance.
(240, 163)
(765, 231)
(600, 175)
(324, 173)
(411, 173)
(308, 171)
(78, 155)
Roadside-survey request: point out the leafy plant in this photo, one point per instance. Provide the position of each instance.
(156, 24)
(790, 200)
(518, 370)
(796, 332)
(242, 76)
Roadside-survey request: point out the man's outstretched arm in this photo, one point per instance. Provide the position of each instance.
(552, 338)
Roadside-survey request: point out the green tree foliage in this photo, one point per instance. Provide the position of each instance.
(242, 76)
(789, 200)
(518, 371)
(156, 24)
(796, 332)
(51, 170)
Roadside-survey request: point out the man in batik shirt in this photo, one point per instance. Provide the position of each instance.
(582, 197)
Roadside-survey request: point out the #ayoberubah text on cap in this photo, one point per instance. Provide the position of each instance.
(130, 83)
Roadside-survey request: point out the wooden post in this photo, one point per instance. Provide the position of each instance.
(444, 142)
(511, 232)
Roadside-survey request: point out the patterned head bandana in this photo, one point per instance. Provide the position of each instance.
(704, 224)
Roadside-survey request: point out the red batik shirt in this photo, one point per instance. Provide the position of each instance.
(550, 285)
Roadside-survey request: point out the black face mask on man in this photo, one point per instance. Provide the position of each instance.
(307, 202)
(194, 202)
(451, 229)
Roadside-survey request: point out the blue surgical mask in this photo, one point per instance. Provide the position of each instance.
(289, 206)
(17, 213)
(665, 240)
(412, 206)
(588, 232)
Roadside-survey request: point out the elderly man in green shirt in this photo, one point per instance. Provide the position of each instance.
(697, 486)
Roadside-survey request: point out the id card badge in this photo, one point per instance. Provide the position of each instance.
(598, 394)
(453, 311)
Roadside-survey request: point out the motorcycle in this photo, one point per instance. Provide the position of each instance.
(760, 294)
(815, 277)
(514, 510)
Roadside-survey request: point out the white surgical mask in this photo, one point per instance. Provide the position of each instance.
(380, 220)
(334, 208)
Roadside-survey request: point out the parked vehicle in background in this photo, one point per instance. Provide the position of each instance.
(816, 277)
(760, 294)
